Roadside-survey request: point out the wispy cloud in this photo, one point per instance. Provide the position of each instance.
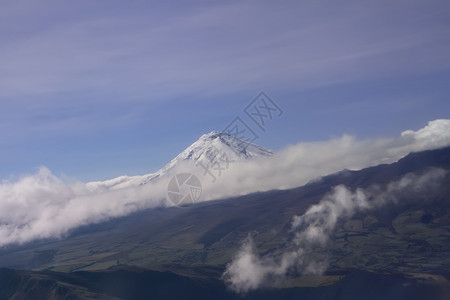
(214, 47)
(313, 230)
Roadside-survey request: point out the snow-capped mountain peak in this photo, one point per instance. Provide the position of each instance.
(221, 142)
(208, 147)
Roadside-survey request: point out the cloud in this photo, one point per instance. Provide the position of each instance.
(298, 164)
(153, 49)
(435, 135)
(248, 270)
(45, 206)
(313, 229)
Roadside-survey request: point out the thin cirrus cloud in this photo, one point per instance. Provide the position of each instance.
(216, 47)
(45, 206)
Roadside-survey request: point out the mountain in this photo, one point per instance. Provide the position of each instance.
(398, 250)
(210, 146)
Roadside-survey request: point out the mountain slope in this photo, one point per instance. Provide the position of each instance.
(210, 233)
(397, 251)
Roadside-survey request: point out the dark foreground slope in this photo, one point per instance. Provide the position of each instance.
(146, 284)
(401, 251)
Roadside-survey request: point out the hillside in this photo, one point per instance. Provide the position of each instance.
(405, 243)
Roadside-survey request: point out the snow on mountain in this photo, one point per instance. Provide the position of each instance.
(208, 147)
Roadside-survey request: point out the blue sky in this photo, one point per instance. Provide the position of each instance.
(97, 89)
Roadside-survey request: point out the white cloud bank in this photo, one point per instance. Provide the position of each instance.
(44, 206)
(249, 271)
(296, 165)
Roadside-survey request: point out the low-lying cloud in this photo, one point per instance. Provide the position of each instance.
(298, 164)
(45, 206)
(313, 230)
